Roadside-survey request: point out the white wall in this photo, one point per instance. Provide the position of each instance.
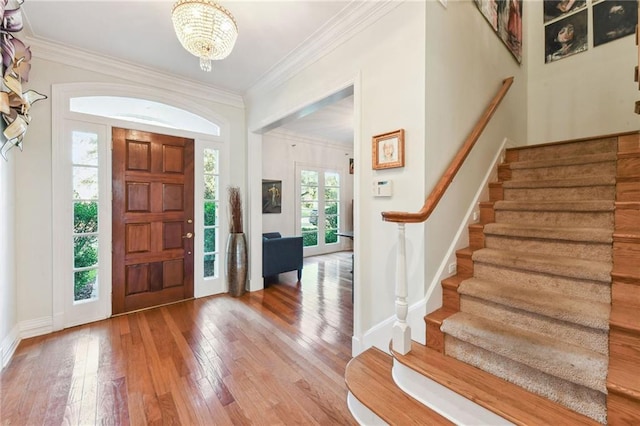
(466, 64)
(386, 63)
(281, 152)
(34, 243)
(8, 285)
(587, 94)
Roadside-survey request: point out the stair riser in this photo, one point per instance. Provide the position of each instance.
(607, 192)
(464, 264)
(629, 143)
(596, 252)
(579, 398)
(450, 299)
(550, 152)
(628, 191)
(589, 338)
(496, 192)
(624, 346)
(622, 410)
(625, 258)
(563, 219)
(487, 213)
(625, 294)
(592, 290)
(476, 237)
(607, 168)
(627, 219)
(435, 337)
(628, 165)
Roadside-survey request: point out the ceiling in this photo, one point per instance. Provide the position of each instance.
(141, 32)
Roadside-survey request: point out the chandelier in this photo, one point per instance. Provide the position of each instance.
(205, 29)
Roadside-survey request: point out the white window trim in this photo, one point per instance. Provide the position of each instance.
(62, 224)
(321, 169)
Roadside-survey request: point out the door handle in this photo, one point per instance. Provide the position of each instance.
(188, 235)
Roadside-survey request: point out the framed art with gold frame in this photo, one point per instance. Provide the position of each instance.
(388, 150)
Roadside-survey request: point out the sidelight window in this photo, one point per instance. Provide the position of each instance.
(85, 214)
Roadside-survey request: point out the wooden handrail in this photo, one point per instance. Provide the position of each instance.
(444, 182)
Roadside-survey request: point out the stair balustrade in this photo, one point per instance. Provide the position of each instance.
(401, 341)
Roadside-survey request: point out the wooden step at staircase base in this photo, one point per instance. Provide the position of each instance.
(368, 378)
(499, 396)
(435, 337)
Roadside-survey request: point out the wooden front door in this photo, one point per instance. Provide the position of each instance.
(152, 219)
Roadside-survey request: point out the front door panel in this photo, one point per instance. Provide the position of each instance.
(152, 219)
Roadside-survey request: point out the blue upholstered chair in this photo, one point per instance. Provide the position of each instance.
(281, 254)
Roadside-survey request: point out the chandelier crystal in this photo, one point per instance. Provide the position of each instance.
(205, 29)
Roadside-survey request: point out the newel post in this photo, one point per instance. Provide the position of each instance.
(401, 330)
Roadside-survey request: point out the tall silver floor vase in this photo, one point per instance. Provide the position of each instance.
(237, 264)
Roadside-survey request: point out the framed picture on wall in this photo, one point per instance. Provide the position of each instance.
(505, 18)
(614, 19)
(388, 150)
(566, 37)
(271, 196)
(554, 9)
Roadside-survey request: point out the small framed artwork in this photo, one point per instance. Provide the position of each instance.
(350, 166)
(271, 196)
(566, 37)
(388, 150)
(614, 19)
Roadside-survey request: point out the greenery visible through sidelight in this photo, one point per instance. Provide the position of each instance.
(85, 248)
(211, 220)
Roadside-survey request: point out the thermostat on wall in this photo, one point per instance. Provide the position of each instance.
(382, 188)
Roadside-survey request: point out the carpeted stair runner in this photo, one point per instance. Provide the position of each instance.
(536, 311)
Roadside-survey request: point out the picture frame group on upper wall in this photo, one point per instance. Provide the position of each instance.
(271, 196)
(388, 150)
(505, 17)
(566, 24)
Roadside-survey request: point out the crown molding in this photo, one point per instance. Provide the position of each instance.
(355, 17)
(89, 61)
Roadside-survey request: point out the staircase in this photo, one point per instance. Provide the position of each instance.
(546, 301)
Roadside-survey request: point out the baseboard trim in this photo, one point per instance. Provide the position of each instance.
(380, 334)
(442, 400)
(9, 346)
(36, 327)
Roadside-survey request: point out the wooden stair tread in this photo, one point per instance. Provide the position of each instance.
(585, 312)
(624, 377)
(592, 235)
(554, 265)
(503, 398)
(564, 161)
(368, 378)
(556, 206)
(601, 180)
(439, 315)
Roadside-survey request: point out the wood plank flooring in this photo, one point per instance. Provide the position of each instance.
(273, 357)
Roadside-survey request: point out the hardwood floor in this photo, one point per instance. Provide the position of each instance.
(271, 357)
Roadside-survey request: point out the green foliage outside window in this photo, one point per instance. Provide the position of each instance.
(85, 251)
(210, 219)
